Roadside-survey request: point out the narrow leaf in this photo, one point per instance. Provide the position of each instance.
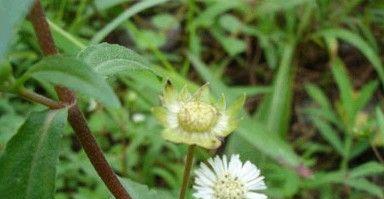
(360, 44)
(329, 135)
(318, 95)
(380, 122)
(138, 7)
(282, 93)
(344, 84)
(268, 143)
(365, 94)
(367, 169)
(364, 185)
(28, 165)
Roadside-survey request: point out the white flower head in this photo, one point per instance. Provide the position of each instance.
(221, 179)
(192, 119)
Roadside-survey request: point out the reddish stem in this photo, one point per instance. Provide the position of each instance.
(75, 117)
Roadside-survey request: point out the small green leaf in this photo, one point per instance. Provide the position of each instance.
(367, 169)
(230, 23)
(364, 185)
(345, 87)
(209, 15)
(74, 74)
(318, 95)
(329, 134)
(380, 124)
(140, 191)
(111, 59)
(365, 94)
(65, 40)
(28, 165)
(232, 45)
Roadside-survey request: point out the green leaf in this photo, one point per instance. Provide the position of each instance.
(267, 142)
(365, 94)
(380, 123)
(232, 45)
(140, 191)
(230, 23)
(322, 178)
(28, 165)
(65, 41)
(344, 84)
(74, 74)
(209, 15)
(9, 123)
(367, 169)
(364, 185)
(5, 71)
(279, 110)
(136, 8)
(329, 134)
(5, 76)
(317, 95)
(105, 4)
(360, 44)
(271, 6)
(111, 59)
(249, 90)
(11, 13)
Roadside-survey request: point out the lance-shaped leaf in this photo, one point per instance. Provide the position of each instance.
(112, 59)
(74, 74)
(28, 164)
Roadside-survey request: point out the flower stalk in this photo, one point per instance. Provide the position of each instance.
(187, 170)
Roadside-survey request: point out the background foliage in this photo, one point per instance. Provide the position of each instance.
(311, 69)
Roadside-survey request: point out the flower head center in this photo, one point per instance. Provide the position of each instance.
(229, 187)
(197, 117)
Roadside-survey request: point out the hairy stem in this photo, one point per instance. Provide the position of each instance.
(34, 97)
(75, 117)
(187, 171)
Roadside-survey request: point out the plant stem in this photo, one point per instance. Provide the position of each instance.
(347, 151)
(75, 117)
(187, 171)
(34, 97)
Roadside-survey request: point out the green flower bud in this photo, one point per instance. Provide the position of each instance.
(192, 119)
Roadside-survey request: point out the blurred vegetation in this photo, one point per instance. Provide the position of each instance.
(311, 69)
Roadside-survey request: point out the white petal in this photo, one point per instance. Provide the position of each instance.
(247, 174)
(172, 120)
(253, 195)
(235, 165)
(221, 125)
(207, 172)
